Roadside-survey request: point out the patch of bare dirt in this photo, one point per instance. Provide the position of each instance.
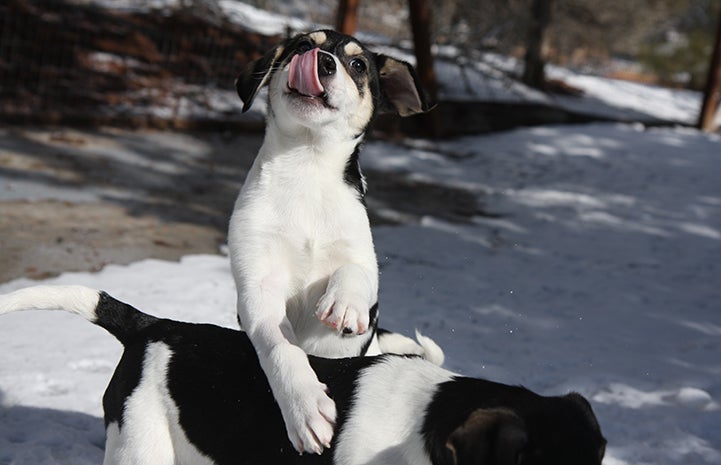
(123, 196)
(39, 239)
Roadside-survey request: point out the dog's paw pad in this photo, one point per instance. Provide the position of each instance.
(346, 314)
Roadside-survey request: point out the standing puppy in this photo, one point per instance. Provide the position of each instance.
(300, 242)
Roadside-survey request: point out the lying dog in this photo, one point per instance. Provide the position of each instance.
(300, 242)
(187, 393)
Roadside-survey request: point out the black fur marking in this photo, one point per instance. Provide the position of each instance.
(374, 316)
(382, 331)
(120, 319)
(451, 405)
(353, 175)
(226, 399)
(373, 325)
(124, 381)
(341, 377)
(128, 325)
(559, 430)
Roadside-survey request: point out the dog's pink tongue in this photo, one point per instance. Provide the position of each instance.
(303, 74)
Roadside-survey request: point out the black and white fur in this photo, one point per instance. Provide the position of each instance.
(300, 243)
(195, 394)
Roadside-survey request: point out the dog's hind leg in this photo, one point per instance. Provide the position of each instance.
(112, 444)
(145, 434)
(126, 447)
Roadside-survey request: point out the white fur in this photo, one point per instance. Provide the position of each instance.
(379, 432)
(75, 299)
(395, 343)
(301, 249)
(151, 433)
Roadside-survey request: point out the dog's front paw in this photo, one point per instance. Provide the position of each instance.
(310, 419)
(309, 414)
(345, 312)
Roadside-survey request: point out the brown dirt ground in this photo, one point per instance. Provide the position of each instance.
(79, 199)
(39, 239)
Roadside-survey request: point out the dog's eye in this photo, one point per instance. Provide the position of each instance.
(358, 65)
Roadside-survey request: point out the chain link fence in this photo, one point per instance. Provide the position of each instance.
(80, 63)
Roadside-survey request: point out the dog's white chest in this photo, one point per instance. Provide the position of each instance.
(316, 224)
(297, 215)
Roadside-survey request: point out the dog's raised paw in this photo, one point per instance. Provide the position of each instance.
(346, 313)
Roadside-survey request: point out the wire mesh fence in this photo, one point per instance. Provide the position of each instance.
(79, 63)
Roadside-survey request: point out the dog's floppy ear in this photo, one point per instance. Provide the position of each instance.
(493, 436)
(400, 86)
(256, 75)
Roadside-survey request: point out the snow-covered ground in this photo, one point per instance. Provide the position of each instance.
(598, 271)
(600, 274)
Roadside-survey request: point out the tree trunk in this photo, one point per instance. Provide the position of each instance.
(713, 82)
(421, 28)
(347, 16)
(533, 73)
(420, 17)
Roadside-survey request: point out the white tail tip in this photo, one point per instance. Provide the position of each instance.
(395, 343)
(431, 351)
(80, 300)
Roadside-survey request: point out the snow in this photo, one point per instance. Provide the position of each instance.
(262, 21)
(597, 270)
(615, 97)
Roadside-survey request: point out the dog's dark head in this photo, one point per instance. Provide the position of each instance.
(521, 429)
(325, 78)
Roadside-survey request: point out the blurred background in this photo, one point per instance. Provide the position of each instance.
(171, 63)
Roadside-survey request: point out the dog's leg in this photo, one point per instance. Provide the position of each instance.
(350, 294)
(308, 412)
(149, 415)
(149, 446)
(112, 445)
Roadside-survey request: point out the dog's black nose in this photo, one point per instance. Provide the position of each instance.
(326, 64)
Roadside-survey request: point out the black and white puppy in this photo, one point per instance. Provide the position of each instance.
(300, 242)
(195, 394)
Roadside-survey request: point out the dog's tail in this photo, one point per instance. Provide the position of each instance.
(395, 343)
(119, 319)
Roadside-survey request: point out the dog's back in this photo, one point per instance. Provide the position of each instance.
(213, 374)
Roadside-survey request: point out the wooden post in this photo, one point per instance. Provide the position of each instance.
(346, 20)
(533, 71)
(421, 28)
(713, 82)
(420, 17)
